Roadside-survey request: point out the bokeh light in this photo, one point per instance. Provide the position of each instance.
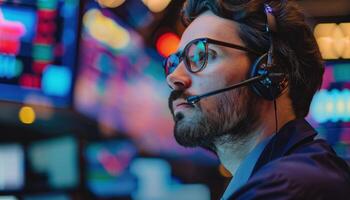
(167, 44)
(105, 29)
(110, 3)
(27, 115)
(156, 5)
(333, 40)
(333, 106)
(57, 80)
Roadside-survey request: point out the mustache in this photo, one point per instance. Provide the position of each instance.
(176, 94)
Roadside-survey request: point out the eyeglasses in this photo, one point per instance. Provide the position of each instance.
(195, 55)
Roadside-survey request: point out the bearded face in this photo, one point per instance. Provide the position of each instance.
(200, 66)
(233, 114)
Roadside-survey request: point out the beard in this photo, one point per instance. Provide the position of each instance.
(233, 117)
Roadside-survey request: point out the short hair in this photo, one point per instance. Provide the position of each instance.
(296, 52)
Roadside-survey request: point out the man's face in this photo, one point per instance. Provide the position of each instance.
(231, 113)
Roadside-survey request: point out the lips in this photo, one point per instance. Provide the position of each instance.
(183, 105)
(177, 105)
(177, 101)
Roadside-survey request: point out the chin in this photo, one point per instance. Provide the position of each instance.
(193, 132)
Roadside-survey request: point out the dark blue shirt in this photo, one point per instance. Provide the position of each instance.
(245, 169)
(295, 165)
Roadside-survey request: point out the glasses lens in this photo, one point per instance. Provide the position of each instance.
(171, 63)
(196, 56)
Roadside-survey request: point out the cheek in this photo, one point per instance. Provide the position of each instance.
(236, 70)
(208, 83)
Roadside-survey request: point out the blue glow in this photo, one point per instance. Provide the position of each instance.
(10, 67)
(342, 72)
(68, 37)
(26, 16)
(68, 10)
(57, 80)
(331, 106)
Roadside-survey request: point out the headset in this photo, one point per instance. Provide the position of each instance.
(262, 78)
(269, 87)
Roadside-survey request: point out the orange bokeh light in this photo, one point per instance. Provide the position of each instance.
(167, 44)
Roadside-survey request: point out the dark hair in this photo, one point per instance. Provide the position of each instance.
(295, 49)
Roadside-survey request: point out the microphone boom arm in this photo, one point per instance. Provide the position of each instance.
(195, 99)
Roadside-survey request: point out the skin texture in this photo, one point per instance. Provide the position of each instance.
(230, 123)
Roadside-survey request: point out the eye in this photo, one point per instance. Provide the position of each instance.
(212, 54)
(196, 56)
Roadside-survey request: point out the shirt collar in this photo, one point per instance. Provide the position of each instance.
(245, 169)
(275, 146)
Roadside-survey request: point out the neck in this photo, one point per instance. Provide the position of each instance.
(234, 150)
(232, 153)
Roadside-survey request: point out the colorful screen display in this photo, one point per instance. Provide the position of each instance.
(107, 165)
(330, 108)
(38, 50)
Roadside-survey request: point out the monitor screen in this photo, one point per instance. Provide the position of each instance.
(107, 168)
(11, 167)
(38, 50)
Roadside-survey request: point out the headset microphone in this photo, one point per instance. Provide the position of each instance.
(263, 78)
(195, 99)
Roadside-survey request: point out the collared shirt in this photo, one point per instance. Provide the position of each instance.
(246, 168)
(295, 165)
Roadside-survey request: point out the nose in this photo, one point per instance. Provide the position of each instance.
(180, 79)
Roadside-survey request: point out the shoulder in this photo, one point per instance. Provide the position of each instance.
(311, 172)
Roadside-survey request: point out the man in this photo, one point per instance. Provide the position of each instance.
(257, 131)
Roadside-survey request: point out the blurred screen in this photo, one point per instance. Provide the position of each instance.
(121, 84)
(11, 167)
(107, 165)
(54, 163)
(38, 50)
(330, 108)
(155, 181)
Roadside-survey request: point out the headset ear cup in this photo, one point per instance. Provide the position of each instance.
(267, 88)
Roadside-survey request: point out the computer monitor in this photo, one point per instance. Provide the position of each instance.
(107, 168)
(38, 41)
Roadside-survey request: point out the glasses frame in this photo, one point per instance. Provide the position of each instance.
(182, 55)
